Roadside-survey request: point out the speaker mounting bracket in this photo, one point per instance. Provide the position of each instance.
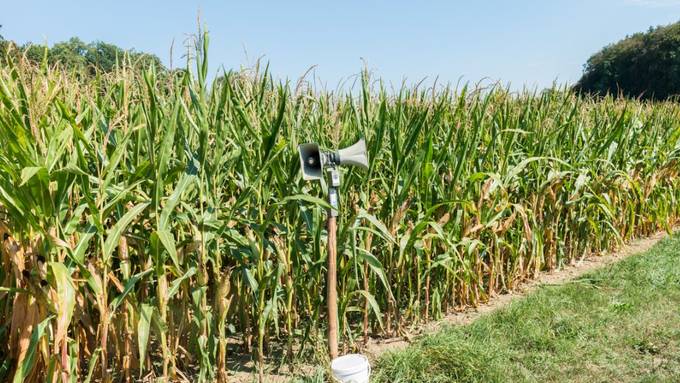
(334, 178)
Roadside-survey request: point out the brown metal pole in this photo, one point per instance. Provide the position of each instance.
(331, 290)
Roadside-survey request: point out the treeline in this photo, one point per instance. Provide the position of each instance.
(75, 54)
(644, 65)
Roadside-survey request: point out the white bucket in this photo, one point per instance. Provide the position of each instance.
(351, 368)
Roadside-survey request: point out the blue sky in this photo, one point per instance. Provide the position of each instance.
(524, 42)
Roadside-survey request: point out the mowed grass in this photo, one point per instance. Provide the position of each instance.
(618, 324)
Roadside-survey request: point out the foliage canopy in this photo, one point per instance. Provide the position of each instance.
(645, 65)
(75, 54)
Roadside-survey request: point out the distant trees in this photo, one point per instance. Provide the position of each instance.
(645, 65)
(91, 57)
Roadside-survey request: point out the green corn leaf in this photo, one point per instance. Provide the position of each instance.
(373, 304)
(78, 254)
(92, 364)
(168, 241)
(305, 198)
(24, 368)
(113, 235)
(177, 283)
(30, 172)
(384, 232)
(146, 313)
(185, 181)
(129, 285)
(376, 267)
(66, 298)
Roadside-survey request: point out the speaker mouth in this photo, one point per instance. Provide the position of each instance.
(311, 161)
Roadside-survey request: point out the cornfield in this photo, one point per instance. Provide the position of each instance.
(156, 224)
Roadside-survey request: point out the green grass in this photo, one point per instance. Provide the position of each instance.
(620, 323)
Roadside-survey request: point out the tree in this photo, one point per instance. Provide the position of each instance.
(69, 53)
(105, 56)
(87, 57)
(4, 45)
(645, 65)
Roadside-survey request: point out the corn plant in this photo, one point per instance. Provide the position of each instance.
(155, 224)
